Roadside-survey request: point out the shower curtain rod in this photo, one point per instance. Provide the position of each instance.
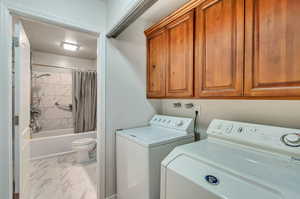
(65, 67)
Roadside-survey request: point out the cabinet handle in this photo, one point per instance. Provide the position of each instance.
(154, 66)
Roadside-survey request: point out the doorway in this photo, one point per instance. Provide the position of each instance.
(45, 159)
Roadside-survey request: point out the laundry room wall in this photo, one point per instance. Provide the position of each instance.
(127, 105)
(272, 112)
(91, 14)
(117, 9)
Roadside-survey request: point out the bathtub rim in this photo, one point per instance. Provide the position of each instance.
(45, 146)
(63, 135)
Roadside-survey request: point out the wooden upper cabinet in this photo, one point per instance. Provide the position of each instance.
(226, 48)
(157, 61)
(272, 53)
(219, 48)
(180, 67)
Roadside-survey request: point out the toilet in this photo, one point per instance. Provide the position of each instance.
(85, 149)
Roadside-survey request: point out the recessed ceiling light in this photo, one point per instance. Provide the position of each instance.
(70, 46)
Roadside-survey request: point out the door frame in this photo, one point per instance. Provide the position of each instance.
(8, 12)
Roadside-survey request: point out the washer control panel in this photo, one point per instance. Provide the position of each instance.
(178, 123)
(271, 137)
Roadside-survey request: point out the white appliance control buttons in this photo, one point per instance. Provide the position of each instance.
(179, 123)
(228, 128)
(240, 129)
(268, 137)
(291, 139)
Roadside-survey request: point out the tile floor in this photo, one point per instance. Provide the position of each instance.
(61, 178)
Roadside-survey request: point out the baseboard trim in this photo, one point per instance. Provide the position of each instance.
(112, 197)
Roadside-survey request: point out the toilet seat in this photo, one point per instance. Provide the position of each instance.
(84, 149)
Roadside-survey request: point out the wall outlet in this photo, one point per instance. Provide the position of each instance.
(197, 107)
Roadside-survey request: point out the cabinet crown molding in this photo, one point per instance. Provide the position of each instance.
(187, 7)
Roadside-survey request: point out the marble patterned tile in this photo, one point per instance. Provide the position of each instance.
(61, 177)
(50, 89)
(48, 101)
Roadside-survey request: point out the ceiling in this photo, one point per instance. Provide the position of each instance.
(47, 38)
(161, 9)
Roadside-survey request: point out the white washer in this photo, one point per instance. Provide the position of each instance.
(141, 150)
(238, 160)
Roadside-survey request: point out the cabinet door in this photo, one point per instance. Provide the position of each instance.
(272, 54)
(157, 60)
(179, 73)
(219, 45)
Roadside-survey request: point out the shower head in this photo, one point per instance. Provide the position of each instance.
(43, 75)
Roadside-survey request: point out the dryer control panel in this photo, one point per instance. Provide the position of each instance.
(178, 123)
(277, 139)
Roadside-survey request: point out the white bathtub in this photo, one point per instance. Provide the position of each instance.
(53, 133)
(56, 145)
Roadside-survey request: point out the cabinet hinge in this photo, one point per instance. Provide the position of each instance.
(16, 41)
(16, 120)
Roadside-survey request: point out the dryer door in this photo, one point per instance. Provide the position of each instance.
(180, 188)
(190, 178)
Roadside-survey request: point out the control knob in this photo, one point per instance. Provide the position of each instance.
(179, 123)
(291, 139)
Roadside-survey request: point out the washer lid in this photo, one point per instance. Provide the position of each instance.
(152, 136)
(84, 141)
(273, 171)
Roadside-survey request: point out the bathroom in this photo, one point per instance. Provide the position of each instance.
(63, 112)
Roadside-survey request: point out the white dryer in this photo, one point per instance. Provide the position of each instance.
(141, 150)
(238, 160)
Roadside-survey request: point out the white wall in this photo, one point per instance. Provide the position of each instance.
(272, 112)
(5, 112)
(60, 60)
(90, 14)
(117, 9)
(127, 105)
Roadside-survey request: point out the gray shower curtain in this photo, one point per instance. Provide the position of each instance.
(84, 101)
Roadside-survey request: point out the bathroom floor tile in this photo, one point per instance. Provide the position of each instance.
(61, 178)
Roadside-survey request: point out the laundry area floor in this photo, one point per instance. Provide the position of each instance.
(60, 177)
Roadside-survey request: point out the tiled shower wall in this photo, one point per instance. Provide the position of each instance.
(50, 89)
